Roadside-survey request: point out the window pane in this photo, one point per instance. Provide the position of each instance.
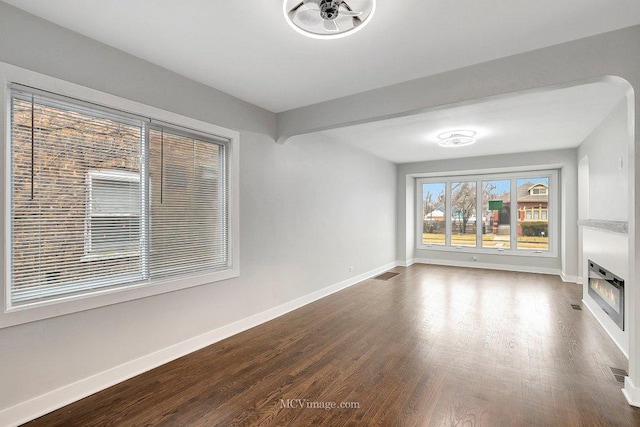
(533, 223)
(496, 218)
(433, 211)
(188, 204)
(54, 146)
(463, 213)
(115, 197)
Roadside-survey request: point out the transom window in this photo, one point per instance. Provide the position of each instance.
(508, 213)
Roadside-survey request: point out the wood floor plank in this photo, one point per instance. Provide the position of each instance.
(431, 346)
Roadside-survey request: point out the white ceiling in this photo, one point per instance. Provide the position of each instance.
(533, 121)
(245, 48)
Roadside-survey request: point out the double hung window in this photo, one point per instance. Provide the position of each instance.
(113, 213)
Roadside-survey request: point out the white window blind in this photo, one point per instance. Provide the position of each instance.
(102, 200)
(188, 203)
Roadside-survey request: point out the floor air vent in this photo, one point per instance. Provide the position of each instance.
(576, 307)
(619, 374)
(386, 276)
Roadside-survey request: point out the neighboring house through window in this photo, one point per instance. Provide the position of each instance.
(113, 214)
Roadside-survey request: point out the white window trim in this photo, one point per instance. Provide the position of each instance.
(553, 212)
(10, 316)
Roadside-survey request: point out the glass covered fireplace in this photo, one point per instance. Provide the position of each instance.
(607, 290)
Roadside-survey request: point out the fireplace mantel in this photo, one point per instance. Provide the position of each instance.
(615, 226)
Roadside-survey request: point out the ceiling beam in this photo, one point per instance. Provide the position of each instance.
(609, 54)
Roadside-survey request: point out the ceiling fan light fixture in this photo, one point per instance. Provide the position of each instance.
(456, 138)
(328, 19)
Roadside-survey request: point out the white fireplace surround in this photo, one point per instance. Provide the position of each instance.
(606, 244)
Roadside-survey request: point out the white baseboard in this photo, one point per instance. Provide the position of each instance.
(631, 392)
(570, 279)
(45, 403)
(487, 266)
(406, 263)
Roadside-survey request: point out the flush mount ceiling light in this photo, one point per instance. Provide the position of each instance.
(328, 19)
(456, 138)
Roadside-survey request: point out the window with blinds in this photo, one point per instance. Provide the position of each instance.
(102, 200)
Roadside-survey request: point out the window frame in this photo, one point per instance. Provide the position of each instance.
(14, 315)
(552, 212)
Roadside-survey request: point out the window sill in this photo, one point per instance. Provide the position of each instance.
(108, 296)
(490, 251)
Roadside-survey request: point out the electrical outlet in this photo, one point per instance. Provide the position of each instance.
(351, 268)
(476, 258)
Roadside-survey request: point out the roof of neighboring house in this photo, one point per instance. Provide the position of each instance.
(436, 213)
(524, 196)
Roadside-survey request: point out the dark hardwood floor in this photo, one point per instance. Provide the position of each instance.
(431, 346)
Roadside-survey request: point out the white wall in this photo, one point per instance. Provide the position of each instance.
(565, 262)
(310, 209)
(604, 157)
(608, 183)
(583, 206)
